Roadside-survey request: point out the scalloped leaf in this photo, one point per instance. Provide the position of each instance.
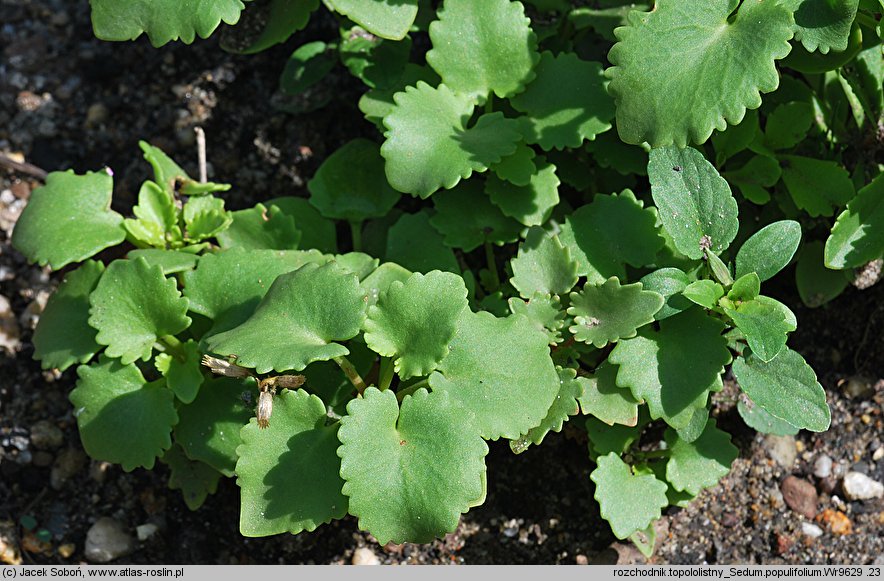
(761, 421)
(693, 466)
(858, 234)
(162, 20)
(122, 418)
(304, 312)
(609, 312)
(675, 368)
(696, 205)
(170, 261)
(415, 321)
(195, 480)
(823, 25)
(63, 336)
(610, 232)
(261, 228)
(183, 376)
(629, 502)
(769, 250)
(205, 217)
(430, 254)
(817, 186)
(518, 167)
(566, 103)
(209, 427)
(500, 370)
(289, 473)
(428, 145)
(544, 311)
(531, 204)
(390, 20)
(786, 388)
(543, 265)
(351, 185)
(412, 471)
(564, 405)
(496, 37)
(467, 218)
(670, 283)
(132, 306)
(357, 263)
(667, 91)
(68, 220)
(605, 400)
(157, 217)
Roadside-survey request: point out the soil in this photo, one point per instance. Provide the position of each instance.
(70, 101)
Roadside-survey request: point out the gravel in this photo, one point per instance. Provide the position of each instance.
(107, 540)
(858, 486)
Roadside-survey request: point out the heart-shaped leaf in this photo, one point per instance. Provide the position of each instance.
(696, 205)
(304, 312)
(415, 321)
(182, 371)
(699, 464)
(566, 103)
(605, 400)
(496, 37)
(786, 388)
(162, 20)
(390, 20)
(823, 25)
(500, 370)
(122, 418)
(411, 471)
(563, 406)
(467, 218)
(289, 473)
(68, 220)
(609, 312)
(769, 250)
(629, 502)
(675, 368)
(351, 185)
(531, 204)
(429, 146)
(261, 228)
(858, 234)
(63, 337)
(817, 186)
(132, 306)
(543, 265)
(196, 480)
(669, 92)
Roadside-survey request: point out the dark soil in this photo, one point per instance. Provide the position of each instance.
(69, 101)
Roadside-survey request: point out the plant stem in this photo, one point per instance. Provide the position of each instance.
(201, 153)
(356, 234)
(492, 265)
(400, 395)
(351, 373)
(386, 373)
(173, 346)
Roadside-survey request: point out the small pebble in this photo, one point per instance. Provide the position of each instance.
(146, 531)
(781, 449)
(96, 115)
(107, 540)
(66, 550)
(9, 552)
(858, 486)
(581, 560)
(837, 521)
(9, 330)
(822, 468)
(67, 464)
(811, 530)
(800, 496)
(365, 556)
(858, 386)
(511, 528)
(878, 454)
(46, 436)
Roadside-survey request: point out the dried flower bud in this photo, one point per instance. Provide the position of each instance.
(265, 408)
(225, 368)
(283, 382)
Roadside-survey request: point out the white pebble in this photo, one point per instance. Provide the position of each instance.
(858, 486)
(365, 556)
(107, 540)
(811, 530)
(822, 468)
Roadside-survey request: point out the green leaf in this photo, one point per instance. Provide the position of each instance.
(609, 152)
(63, 336)
(374, 61)
(500, 370)
(858, 234)
(304, 312)
(378, 103)
(517, 168)
(209, 427)
(543, 265)
(817, 186)
(563, 406)
(761, 421)
(735, 138)
(630, 503)
(283, 18)
(544, 311)
(755, 178)
(183, 376)
(122, 418)
(162, 20)
(609, 312)
(430, 254)
(377, 283)
(390, 20)
(696, 205)
(817, 284)
(429, 146)
(351, 185)
(531, 204)
(745, 288)
(411, 471)
(307, 66)
(788, 124)
(610, 232)
(205, 217)
(699, 464)
(720, 271)
(289, 473)
(696, 425)
(786, 388)
(769, 250)
(261, 228)
(157, 217)
(823, 25)
(467, 218)
(704, 293)
(668, 282)
(357, 263)
(415, 321)
(496, 37)
(68, 220)
(170, 261)
(605, 400)
(566, 103)
(691, 66)
(675, 368)
(316, 232)
(132, 306)
(617, 438)
(195, 479)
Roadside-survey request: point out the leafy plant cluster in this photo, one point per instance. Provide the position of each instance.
(576, 257)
